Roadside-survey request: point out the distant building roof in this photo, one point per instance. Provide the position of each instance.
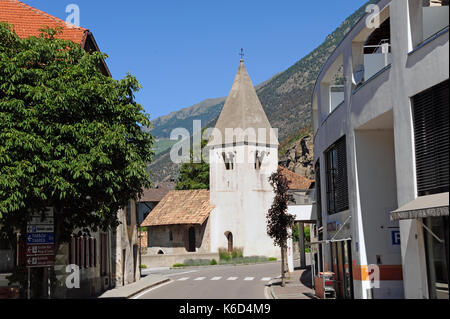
(157, 193)
(27, 21)
(191, 207)
(298, 182)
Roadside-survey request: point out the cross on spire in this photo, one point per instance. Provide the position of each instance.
(242, 54)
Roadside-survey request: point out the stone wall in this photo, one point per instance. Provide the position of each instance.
(174, 239)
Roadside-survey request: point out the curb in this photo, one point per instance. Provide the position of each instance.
(147, 287)
(272, 293)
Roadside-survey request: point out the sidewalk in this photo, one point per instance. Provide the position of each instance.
(128, 291)
(298, 286)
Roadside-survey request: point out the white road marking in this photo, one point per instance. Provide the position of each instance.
(200, 278)
(183, 279)
(232, 278)
(182, 273)
(216, 278)
(249, 278)
(148, 290)
(266, 279)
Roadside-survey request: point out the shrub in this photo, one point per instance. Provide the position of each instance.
(178, 265)
(237, 253)
(213, 262)
(143, 266)
(196, 262)
(224, 254)
(272, 259)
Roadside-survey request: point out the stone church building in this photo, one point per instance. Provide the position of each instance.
(243, 153)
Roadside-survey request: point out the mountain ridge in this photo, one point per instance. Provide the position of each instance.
(286, 98)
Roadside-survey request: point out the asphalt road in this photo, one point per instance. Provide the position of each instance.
(218, 282)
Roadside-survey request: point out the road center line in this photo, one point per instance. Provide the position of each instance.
(266, 279)
(183, 279)
(232, 278)
(249, 278)
(216, 278)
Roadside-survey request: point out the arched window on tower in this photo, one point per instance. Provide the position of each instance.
(259, 157)
(230, 241)
(228, 159)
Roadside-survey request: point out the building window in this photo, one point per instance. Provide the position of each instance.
(436, 244)
(79, 251)
(128, 214)
(337, 184)
(431, 117)
(228, 159)
(91, 252)
(95, 252)
(86, 252)
(103, 255)
(71, 250)
(170, 236)
(258, 160)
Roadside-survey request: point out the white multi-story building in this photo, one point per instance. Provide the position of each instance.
(381, 115)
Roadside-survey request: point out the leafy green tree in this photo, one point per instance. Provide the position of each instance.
(194, 175)
(278, 220)
(70, 137)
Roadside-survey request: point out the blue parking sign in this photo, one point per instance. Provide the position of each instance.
(395, 235)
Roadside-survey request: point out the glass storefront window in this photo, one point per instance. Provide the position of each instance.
(437, 256)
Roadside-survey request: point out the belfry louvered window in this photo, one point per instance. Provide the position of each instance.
(431, 117)
(337, 184)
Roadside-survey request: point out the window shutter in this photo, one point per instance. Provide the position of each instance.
(337, 182)
(431, 134)
(71, 249)
(95, 252)
(91, 252)
(342, 181)
(85, 250)
(80, 251)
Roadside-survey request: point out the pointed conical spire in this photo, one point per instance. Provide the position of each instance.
(243, 110)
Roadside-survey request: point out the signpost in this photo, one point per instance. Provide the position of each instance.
(40, 250)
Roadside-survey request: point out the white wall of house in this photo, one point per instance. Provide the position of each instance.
(376, 119)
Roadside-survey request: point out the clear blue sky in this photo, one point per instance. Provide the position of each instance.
(184, 51)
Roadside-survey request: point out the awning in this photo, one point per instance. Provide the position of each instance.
(423, 207)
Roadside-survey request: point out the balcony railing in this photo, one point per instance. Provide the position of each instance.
(434, 20)
(336, 96)
(373, 62)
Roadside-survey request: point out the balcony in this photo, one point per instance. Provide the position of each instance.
(376, 58)
(336, 96)
(435, 18)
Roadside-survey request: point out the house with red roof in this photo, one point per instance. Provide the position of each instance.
(104, 259)
(28, 22)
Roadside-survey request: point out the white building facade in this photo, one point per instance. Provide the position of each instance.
(375, 151)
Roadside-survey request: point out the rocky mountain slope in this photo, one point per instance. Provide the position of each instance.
(286, 99)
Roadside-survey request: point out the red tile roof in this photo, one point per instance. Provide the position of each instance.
(191, 207)
(27, 21)
(298, 182)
